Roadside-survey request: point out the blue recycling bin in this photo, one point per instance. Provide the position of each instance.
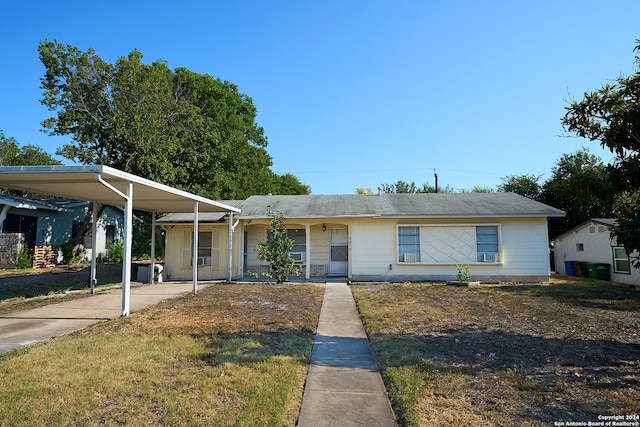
(569, 268)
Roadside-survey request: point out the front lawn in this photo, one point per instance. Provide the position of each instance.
(525, 355)
(232, 355)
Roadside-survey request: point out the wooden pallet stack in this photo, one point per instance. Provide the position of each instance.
(45, 256)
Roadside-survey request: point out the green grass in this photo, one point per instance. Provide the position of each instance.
(23, 284)
(128, 379)
(222, 358)
(30, 290)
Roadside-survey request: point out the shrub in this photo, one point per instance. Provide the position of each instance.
(115, 253)
(275, 250)
(23, 259)
(463, 274)
(68, 249)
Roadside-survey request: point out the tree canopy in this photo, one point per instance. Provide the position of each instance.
(404, 187)
(177, 127)
(611, 115)
(12, 154)
(527, 185)
(580, 186)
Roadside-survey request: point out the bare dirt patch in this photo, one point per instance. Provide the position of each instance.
(506, 355)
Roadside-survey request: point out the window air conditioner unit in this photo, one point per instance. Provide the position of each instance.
(298, 256)
(204, 260)
(409, 257)
(488, 257)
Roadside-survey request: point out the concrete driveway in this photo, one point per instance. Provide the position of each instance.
(20, 328)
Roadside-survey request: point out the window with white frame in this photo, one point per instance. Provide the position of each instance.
(299, 250)
(621, 262)
(409, 244)
(447, 244)
(487, 243)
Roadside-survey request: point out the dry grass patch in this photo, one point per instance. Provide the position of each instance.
(506, 355)
(232, 355)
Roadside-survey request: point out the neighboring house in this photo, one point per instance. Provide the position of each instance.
(46, 223)
(591, 242)
(390, 237)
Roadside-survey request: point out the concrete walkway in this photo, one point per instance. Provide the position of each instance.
(344, 387)
(26, 327)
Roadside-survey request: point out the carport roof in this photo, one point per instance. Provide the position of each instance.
(105, 185)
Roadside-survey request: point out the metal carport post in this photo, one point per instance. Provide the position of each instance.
(128, 239)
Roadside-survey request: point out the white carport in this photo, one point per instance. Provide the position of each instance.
(109, 186)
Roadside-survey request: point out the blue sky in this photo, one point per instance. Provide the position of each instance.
(353, 93)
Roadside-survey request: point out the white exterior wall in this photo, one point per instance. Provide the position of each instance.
(175, 244)
(373, 250)
(597, 249)
(257, 233)
(524, 252)
(319, 244)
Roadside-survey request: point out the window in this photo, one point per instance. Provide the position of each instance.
(621, 262)
(408, 244)
(208, 249)
(579, 247)
(298, 235)
(487, 244)
(299, 249)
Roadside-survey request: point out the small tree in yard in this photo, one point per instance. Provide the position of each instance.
(275, 250)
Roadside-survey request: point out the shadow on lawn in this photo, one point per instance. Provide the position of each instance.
(566, 376)
(34, 285)
(250, 348)
(596, 295)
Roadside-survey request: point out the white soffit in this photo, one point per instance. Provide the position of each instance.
(88, 183)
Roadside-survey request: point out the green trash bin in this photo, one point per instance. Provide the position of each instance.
(601, 271)
(591, 269)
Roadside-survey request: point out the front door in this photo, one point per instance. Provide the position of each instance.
(338, 252)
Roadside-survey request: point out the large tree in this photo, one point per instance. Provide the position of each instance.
(178, 127)
(580, 186)
(611, 115)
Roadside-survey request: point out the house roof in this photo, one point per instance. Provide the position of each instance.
(429, 205)
(599, 221)
(20, 202)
